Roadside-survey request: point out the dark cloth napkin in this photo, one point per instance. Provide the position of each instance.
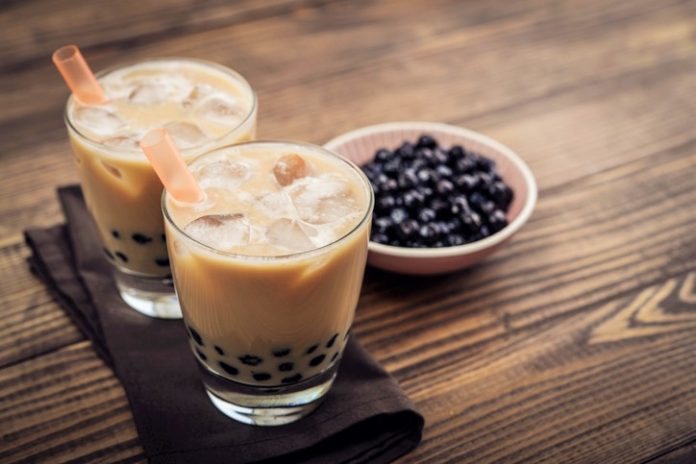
(364, 418)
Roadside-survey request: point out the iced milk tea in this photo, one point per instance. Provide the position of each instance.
(202, 106)
(268, 269)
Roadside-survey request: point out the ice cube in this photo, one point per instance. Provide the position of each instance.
(290, 234)
(277, 204)
(101, 121)
(198, 92)
(221, 109)
(115, 89)
(220, 231)
(289, 168)
(185, 134)
(147, 93)
(324, 199)
(222, 174)
(159, 89)
(127, 141)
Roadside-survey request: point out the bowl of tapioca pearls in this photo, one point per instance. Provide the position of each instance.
(446, 197)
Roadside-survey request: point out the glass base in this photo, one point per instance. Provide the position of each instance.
(267, 406)
(150, 296)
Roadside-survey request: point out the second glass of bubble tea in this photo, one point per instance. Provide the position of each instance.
(202, 105)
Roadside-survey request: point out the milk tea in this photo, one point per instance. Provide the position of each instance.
(268, 268)
(202, 105)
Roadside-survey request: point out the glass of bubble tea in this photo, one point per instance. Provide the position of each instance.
(202, 105)
(268, 269)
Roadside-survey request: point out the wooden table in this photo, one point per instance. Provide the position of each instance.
(576, 343)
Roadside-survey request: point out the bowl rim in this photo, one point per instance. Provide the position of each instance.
(467, 248)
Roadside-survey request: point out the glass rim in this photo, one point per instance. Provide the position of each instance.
(108, 70)
(367, 187)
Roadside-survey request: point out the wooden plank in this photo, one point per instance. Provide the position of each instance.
(442, 44)
(574, 344)
(32, 322)
(64, 406)
(682, 455)
(292, 99)
(568, 268)
(494, 364)
(580, 397)
(28, 32)
(591, 393)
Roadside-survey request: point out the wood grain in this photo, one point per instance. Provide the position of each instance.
(574, 344)
(64, 406)
(33, 323)
(293, 101)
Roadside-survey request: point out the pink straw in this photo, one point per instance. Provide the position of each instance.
(170, 166)
(74, 69)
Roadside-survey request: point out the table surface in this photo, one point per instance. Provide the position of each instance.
(576, 343)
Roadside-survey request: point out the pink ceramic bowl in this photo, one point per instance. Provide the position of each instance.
(360, 146)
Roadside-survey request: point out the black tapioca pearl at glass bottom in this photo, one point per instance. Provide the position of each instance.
(108, 253)
(201, 355)
(312, 349)
(229, 369)
(163, 238)
(141, 238)
(122, 256)
(333, 358)
(115, 234)
(317, 360)
(196, 336)
(281, 352)
(219, 350)
(330, 343)
(291, 379)
(162, 262)
(250, 360)
(285, 367)
(261, 376)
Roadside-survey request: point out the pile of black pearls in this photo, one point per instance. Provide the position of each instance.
(428, 196)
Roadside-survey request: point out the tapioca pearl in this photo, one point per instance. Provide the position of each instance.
(196, 336)
(162, 262)
(115, 233)
(311, 349)
(333, 358)
(219, 350)
(141, 239)
(122, 256)
(229, 369)
(281, 352)
(330, 343)
(315, 361)
(261, 376)
(250, 360)
(163, 238)
(286, 367)
(108, 253)
(201, 355)
(292, 379)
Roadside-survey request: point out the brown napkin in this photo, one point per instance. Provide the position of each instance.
(365, 417)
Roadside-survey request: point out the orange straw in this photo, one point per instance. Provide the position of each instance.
(170, 166)
(74, 69)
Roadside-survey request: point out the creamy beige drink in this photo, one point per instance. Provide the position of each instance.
(202, 106)
(268, 268)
